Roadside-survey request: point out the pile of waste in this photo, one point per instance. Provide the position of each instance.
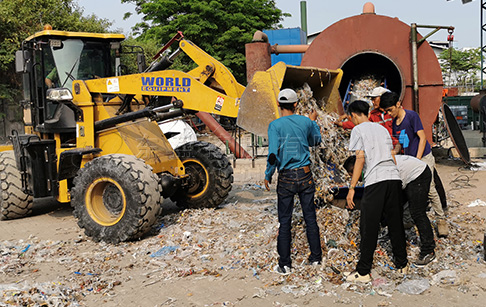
(210, 242)
(362, 88)
(328, 157)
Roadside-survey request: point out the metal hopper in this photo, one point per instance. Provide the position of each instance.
(258, 105)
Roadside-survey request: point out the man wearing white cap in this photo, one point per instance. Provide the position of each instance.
(289, 139)
(377, 115)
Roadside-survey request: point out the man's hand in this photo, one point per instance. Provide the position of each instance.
(349, 199)
(397, 149)
(267, 185)
(313, 115)
(338, 123)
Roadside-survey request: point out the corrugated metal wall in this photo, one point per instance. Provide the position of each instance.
(291, 36)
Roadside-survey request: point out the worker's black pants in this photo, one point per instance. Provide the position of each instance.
(382, 198)
(291, 182)
(417, 193)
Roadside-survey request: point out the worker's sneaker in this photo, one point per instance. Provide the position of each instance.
(285, 270)
(403, 271)
(423, 261)
(442, 228)
(313, 263)
(357, 277)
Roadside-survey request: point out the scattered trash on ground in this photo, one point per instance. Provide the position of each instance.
(414, 286)
(209, 243)
(477, 203)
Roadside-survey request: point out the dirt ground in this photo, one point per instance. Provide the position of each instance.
(225, 256)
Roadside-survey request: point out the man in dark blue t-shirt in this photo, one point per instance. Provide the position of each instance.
(408, 129)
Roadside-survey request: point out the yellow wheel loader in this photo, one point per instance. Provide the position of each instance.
(91, 135)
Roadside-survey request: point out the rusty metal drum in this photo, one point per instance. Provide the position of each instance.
(380, 45)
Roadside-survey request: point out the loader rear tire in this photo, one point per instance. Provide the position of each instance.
(210, 176)
(116, 198)
(14, 202)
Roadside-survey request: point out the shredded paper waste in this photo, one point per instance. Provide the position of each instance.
(328, 157)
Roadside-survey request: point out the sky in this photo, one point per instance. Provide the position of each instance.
(323, 13)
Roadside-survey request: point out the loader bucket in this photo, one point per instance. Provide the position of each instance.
(258, 104)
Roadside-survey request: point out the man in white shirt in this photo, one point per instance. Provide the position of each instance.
(373, 146)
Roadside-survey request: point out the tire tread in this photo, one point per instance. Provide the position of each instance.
(221, 178)
(14, 203)
(138, 220)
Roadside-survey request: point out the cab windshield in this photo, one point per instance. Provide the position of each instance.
(75, 59)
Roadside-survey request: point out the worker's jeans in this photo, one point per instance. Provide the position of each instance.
(417, 193)
(291, 182)
(381, 199)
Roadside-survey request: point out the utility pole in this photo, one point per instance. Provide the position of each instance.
(483, 47)
(303, 18)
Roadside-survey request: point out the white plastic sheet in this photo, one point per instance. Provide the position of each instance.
(186, 133)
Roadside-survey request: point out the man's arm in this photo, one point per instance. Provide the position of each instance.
(49, 83)
(422, 143)
(344, 122)
(315, 132)
(50, 77)
(397, 146)
(348, 125)
(358, 169)
(272, 158)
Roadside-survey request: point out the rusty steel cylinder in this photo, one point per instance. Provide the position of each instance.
(371, 44)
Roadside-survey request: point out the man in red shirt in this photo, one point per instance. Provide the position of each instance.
(344, 122)
(377, 115)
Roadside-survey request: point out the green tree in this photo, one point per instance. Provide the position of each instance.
(461, 67)
(219, 27)
(22, 18)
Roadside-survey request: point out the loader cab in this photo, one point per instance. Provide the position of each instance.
(54, 59)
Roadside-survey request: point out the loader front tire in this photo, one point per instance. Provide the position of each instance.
(116, 198)
(210, 176)
(14, 202)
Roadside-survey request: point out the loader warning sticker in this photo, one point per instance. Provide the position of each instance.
(112, 85)
(219, 103)
(166, 84)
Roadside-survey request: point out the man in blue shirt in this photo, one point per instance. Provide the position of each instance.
(289, 138)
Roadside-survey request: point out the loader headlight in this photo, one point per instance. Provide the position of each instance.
(59, 94)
